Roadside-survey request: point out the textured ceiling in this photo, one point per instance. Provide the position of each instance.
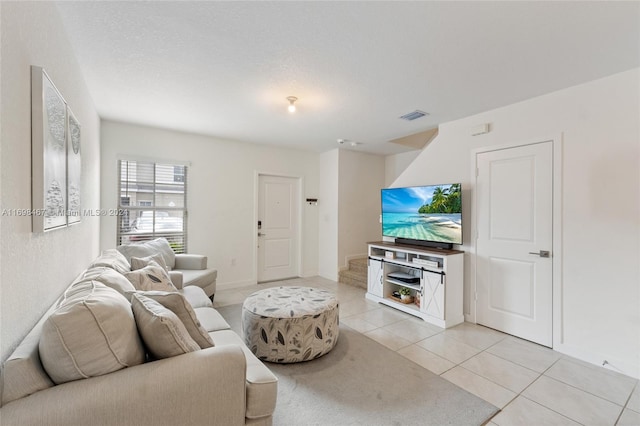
(225, 68)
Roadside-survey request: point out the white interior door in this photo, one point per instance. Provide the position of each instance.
(514, 203)
(278, 211)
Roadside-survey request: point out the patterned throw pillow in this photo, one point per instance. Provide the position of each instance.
(141, 262)
(151, 277)
(177, 304)
(162, 331)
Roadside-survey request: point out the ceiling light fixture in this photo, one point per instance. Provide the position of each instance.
(292, 107)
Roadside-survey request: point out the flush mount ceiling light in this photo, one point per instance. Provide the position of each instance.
(292, 106)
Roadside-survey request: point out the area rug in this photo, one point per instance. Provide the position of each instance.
(361, 382)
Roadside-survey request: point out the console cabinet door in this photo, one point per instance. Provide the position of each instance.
(374, 282)
(432, 303)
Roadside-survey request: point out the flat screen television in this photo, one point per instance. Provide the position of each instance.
(424, 215)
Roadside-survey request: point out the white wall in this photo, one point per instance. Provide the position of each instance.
(396, 164)
(221, 193)
(360, 178)
(599, 124)
(37, 267)
(328, 215)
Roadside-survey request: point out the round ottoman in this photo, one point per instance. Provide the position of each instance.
(290, 324)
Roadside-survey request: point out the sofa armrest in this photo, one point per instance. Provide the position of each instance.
(191, 261)
(197, 388)
(176, 279)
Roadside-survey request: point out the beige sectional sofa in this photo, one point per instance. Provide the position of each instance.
(93, 359)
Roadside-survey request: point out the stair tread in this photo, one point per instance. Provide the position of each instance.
(358, 265)
(359, 276)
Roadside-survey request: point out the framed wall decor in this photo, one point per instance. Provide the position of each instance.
(48, 153)
(74, 165)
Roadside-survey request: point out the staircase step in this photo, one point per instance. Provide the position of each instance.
(354, 278)
(360, 265)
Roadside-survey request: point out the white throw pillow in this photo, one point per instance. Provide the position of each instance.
(91, 332)
(177, 304)
(113, 259)
(141, 262)
(109, 277)
(149, 248)
(151, 277)
(162, 331)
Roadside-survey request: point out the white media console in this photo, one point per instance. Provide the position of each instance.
(434, 278)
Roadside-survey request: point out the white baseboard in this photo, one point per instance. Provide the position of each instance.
(235, 284)
(614, 364)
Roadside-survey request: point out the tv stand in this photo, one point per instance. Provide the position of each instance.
(438, 292)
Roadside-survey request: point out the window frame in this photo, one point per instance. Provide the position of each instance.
(152, 187)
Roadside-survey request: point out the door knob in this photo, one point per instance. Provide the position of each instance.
(541, 253)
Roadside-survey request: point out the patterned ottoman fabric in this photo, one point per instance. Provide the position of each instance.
(290, 324)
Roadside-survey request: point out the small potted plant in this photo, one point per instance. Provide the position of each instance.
(405, 295)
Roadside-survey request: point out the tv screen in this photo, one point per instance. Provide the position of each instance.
(423, 213)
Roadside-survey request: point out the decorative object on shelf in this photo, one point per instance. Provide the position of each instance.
(405, 295)
(425, 262)
(390, 254)
(417, 301)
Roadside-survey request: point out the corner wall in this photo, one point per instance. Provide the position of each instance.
(598, 121)
(349, 207)
(221, 193)
(37, 267)
(328, 215)
(360, 178)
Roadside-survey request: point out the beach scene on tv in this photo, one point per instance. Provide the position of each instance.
(431, 213)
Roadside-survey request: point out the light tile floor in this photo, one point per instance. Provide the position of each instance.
(531, 384)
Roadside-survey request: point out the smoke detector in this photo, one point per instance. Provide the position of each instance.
(352, 143)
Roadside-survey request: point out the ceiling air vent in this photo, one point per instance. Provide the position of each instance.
(414, 115)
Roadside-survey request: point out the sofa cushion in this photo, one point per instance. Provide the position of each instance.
(113, 259)
(151, 277)
(177, 304)
(162, 331)
(90, 333)
(196, 297)
(211, 320)
(262, 384)
(109, 277)
(141, 262)
(200, 277)
(149, 248)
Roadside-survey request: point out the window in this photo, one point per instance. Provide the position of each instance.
(153, 200)
(178, 173)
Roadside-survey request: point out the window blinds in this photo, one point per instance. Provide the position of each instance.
(152, 203)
